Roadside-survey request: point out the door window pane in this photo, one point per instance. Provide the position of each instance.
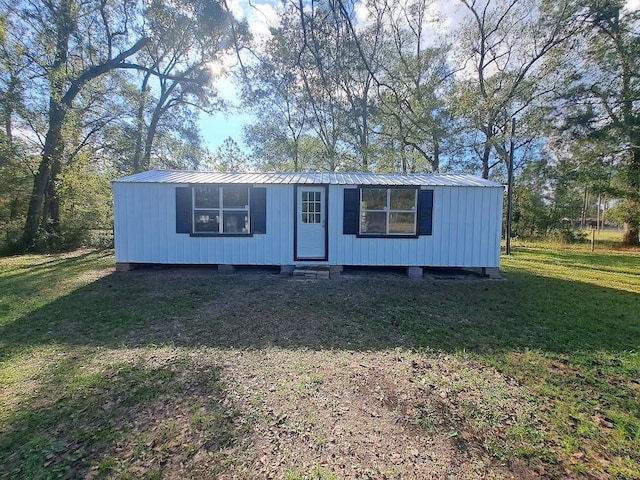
(311, 207)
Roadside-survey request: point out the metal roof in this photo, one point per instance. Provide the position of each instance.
(308, 178)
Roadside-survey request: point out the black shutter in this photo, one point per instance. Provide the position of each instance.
(351, 211)
(425, 212)
(184, 210)
(258, 210)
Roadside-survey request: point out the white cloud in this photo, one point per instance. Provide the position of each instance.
(259, 15)
(363, 14)
(632, 5)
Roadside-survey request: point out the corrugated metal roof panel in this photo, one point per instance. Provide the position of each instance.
(314, 178)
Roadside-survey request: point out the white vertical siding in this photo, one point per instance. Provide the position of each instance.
(467, 223)
(145, 230)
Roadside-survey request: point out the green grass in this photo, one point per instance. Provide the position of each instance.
(114, 374)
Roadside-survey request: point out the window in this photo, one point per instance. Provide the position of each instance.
(311, 207)
(221, 210)
(388, 211)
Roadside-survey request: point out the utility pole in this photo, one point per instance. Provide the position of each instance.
(510, 185)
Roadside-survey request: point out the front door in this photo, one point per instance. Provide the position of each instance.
(311, 223)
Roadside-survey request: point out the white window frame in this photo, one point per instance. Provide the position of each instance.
(221, 210)
(388, 212)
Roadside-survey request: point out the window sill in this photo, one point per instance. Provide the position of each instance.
(361, 235)
(223, 235)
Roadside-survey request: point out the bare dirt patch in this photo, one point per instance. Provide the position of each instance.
(359, 415)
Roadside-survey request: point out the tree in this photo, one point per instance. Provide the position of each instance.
(316, 80)
(14, 174)
(70, 44)
(504, 51)
(228, 157)
(186, 37)
(73, 50)
(274, 92)
(605, 106)
(413, 87)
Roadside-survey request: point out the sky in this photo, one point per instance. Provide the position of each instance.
(262, 15)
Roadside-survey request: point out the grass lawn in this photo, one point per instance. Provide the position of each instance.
(185, 373)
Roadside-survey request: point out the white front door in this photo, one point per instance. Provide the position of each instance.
(311, 223)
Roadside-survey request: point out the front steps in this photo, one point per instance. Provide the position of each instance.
(312, 271)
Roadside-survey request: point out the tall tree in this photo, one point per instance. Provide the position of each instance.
(274, 92)
(503, 50)
(607, 89)
(228, 157)
(186, 38)
(70, 44)
(413, 85)
(320, 68)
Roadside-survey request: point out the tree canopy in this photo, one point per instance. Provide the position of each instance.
(93, 89)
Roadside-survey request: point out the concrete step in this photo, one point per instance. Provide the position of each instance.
(308, 271)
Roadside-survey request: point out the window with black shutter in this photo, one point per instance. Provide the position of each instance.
(213, 210)
(380, 211)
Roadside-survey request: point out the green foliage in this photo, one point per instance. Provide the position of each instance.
(228, 158)
(602, 114)
(15, 181)
(567, 235)
(69, 76)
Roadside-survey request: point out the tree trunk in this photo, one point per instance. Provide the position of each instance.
(43, 183)
(435, 162)
(631, 236)
(140, 127)
(485, 159)
(151, 135)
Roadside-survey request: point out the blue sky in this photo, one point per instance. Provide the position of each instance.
(261, 15)
(216, 129)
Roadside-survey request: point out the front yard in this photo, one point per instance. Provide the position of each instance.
(184, 373)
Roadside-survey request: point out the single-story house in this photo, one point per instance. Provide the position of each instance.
(293, 220)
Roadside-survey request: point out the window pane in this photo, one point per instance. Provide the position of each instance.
(206, 221)
(317, 196)
(403, 199)
(374, 198)
(305, 218)
(235, 197)
(236, 222)
(317, 218)
(373, 222)
(402, 223)
(305, 196)
(207, 197)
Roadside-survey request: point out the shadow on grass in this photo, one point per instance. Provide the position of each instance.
(118, 419)
(84, 413)
(197, 307)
